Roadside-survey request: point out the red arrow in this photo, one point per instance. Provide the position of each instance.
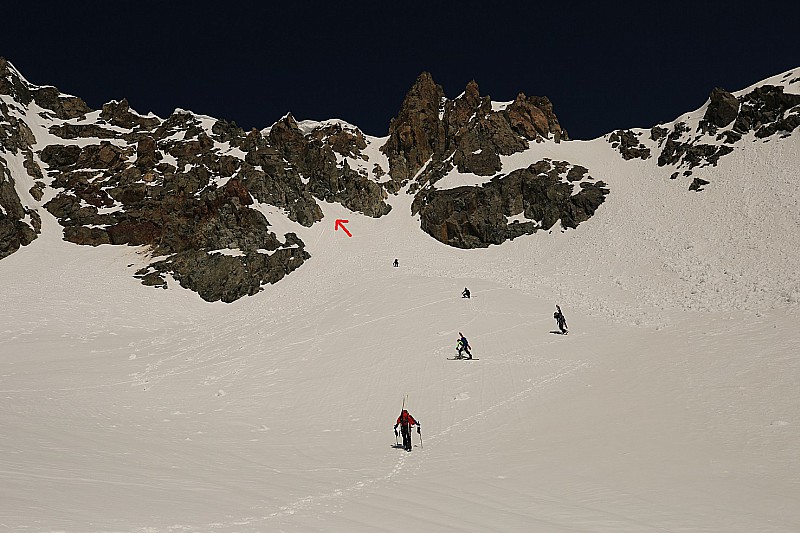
(340, 222)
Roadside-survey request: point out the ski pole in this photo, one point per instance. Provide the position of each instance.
(395, 438)
(419, 432)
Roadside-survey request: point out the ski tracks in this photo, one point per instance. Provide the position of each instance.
(473, 419)
(409, 464)
(307, 503)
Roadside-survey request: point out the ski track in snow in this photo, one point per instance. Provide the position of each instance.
(303, 504)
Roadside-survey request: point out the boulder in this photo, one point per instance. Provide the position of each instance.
(722, 108)
(59, 156)
(146, 155)
(64, 107)
(120, 114)
(86, 236)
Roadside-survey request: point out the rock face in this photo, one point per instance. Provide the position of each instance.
(536, 197)
(19, 225)
(433, 136)
(722, 109)
(765, 111)
(417, 132)
(192, 190)
(15, 230)
(185, 187)
(329, 180)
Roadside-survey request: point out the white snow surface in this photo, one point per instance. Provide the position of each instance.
(672, 405)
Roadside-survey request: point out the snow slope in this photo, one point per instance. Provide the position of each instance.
(670, 406)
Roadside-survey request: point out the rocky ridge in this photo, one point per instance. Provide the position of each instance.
(193, 190)
(187, 187)
(765, 111)
(433, 137)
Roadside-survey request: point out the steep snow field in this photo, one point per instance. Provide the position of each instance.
(672, 405)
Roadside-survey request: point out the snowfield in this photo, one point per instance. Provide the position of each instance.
(672, 405)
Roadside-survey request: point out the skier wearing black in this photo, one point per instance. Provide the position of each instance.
(396, 263)
(405, 421)
(560, 320)
(463, 346)
(465, 293)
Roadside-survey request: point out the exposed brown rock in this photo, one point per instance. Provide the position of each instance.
(120, 114)
(86, 236)
(146, 155)
(417, 132)
(65, 107)
(533, 117)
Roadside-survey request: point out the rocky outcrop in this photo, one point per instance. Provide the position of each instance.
(432, 135)
(119, 114)
(768, 110)
(417, 132)
(216, 276)
(49, 98)
(722, 109)
(537, 197)
(343, 141)
(697, 184)
(19, 224)
(477, 136)
(628, 144)
(192, 190)
(691, 153)
(328, 179)
(765, 111)
(180, 187)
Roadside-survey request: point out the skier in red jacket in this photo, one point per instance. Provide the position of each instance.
(405, 421)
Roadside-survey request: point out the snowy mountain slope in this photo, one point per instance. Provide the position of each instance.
(183, 186)
(671, 405)
(141, 411)
(731, 246)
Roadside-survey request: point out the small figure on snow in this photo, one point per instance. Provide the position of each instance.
(463, 346)
(396, 263)
(560, 320)
(465, 293)
(405, 421)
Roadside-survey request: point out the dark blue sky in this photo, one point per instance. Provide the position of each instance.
(603, 65)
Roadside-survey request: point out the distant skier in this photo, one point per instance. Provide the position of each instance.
(405, 421)
(463, 346)
(560, 320)
(396, 263)
(465, 293)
